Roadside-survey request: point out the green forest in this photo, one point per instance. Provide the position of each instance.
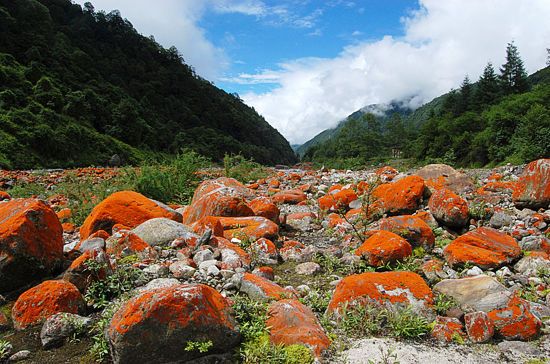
(504, 117)
(78, 86)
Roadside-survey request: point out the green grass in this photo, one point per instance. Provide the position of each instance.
(242, 169)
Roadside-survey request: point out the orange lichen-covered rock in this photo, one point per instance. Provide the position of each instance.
(266, 250)
(31, 242)
(208, 222)
(64, 214)
(384, 247)
(401, 289)
(290, 322)
(386, 173)
(411, 228)
(156, 325)
(125, 243)
(261, 289)
(219, 197)
(289, 197)
(4, 196)
(515, 322)
(338, 200)
(291, 250)
(254, 227)
(443, 176)
(48, 298)
(449, 208)
(533, 187)
(126, 207)
(264, 207)
(402, 196)
(484, 247)
(232, 255)
(446, 329)
(479, 327)
(81, 275)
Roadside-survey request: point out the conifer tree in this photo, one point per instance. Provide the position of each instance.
(465, 97)
(513, 76)
(487, 87)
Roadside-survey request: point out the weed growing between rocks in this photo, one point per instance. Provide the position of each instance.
(444, 303)
(200, 346)
(256, 347)
(100, 348)
(5, 349)
(242, 169)
(100, 293)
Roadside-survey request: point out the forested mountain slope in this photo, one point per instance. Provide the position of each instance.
(77, 86)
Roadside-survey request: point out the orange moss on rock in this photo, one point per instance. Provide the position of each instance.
(156, 325)
(290, 322)
(449, 208)
(266, 288)
(393, 288)
(35, 305)
(31, 242)
(533, 187)
(515, 322)
(292, 197)
(254, 227)
(484, 247)
(384, 247)
(402, 196)
(479, 326)
(81, 275)
(337, 200)
(411, 228)
(208, 222)
(126, 207)
(446, 329)
(264, 207)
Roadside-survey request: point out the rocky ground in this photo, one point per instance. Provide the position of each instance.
(377, 266)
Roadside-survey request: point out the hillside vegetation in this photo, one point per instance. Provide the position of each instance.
(78, 86)
(500, 118)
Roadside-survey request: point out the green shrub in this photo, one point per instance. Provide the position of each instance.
(242, 169)
(172, 181)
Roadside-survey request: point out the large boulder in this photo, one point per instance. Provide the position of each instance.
(127, 208)
(337, 199)
(162, 231)
(31, 242)
(400, 197)
(412, 228)
(484, 247)
(479, 293)
(219, 197)
(439, 176)
(384, 247)
(396, 290)
(290, 322)
(254, 227)
(449, 208)
(291, 197)
(48, 298)
(264, 207)
(259, 288)
(515, 321)
(533, 187)
(156, 325)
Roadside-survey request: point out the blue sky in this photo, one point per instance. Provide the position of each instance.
(306, 64)
(305, 29)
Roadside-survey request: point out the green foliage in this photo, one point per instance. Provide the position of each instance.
(242, 169)
(5, 349)
(65, 101)
(360, 320)
(100, 293)
(443, 303)
(100, 346)
(200, 346)
(406, 324)
(256, 347)
(333, 265)
(317, 300)
(172, 181)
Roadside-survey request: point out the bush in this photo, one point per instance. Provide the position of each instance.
(242, 169)
(173, 181)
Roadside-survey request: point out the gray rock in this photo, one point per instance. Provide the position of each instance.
(162, 231)
(500, 219)
(480, 293)
(20, 355)
(92, 244)
(60, 326)
(182, 270)
(518, 347)
(307, 268)
(207, 263)
(160, 283)
(474, 271)
(203, 255)
(213, 271)
(529, 265)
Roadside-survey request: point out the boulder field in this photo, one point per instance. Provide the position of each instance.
(464, 256)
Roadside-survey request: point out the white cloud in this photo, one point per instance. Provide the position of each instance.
(443, 41)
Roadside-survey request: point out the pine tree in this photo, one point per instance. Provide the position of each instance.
(548, 56)
(487, 87)
(513, 76)
(465, 96)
